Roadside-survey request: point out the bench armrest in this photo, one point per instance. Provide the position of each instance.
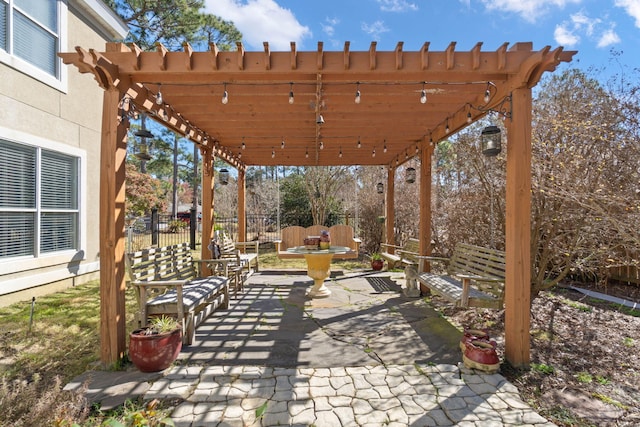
(222, 262)
(388, 245)
(433, 258)
(415, 254)
(142, 289)
(479, 278)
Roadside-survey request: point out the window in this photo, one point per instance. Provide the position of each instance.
(39, 202)
(30, 36)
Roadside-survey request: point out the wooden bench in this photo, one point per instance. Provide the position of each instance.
(475, 277)
(406, 255)
(168, 283)
(341, 235)
(246, 251)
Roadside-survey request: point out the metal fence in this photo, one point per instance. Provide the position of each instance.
(163, 230)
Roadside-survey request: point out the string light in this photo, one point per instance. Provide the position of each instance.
(340, 153)
(469, 117)
(423, 94)
(321, 145)
(291, 99)
(225, 95)
(359, 143)
(446, 128)
(243, 146)
(282, 144)
(487, 93)
(273, 153)
(357, 100)
(384, 148)
(159, 96)
(306, 153)
(373, 153)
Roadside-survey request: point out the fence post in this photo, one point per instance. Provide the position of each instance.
(193, 225)
(155, 228)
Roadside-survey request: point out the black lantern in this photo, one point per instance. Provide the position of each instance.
(380, 188)
(143, 149)
(410, 175)
(224, 176)
(491, 139)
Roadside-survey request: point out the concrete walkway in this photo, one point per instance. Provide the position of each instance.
(365, 356)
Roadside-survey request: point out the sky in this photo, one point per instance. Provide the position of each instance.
(606, 33)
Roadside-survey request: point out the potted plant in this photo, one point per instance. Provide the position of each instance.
(376, 261)
(156, 346)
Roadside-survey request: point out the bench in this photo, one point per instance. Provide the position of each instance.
(475, 277)
(248, 252)
(340, 234)
(167, 282)
(404, 256)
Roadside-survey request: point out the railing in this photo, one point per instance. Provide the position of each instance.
(163, 230)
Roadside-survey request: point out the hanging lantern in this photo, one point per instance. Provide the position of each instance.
(380, 188)
(143, 148)
(224, 176)
(143, 151)
(490, 140)
(410, 175)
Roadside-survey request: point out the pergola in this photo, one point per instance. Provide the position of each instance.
(317, 108)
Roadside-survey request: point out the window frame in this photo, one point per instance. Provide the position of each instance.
(21, 263)
(8, 58)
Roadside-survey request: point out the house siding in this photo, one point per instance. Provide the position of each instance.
(69, 119)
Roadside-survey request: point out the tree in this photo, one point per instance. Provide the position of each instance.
(143, 192)
(168, 22)
(171, 23)
(322, 183)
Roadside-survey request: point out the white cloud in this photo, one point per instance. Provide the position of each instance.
(529, 10)
(583, 22)
(608, 38)
(374, 30)
(565, 36)
(570, 32)
(329, 27)
(396, 5)
(632, 7)
(260, 21)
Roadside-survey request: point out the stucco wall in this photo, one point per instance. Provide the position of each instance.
(71, 117)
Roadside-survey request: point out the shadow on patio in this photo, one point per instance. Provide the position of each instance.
(365, 321)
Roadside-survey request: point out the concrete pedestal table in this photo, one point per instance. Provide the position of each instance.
(319, 267)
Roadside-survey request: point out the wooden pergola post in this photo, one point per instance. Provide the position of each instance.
(425, 202)
(207, 203)
(390, 217)
(113, 153)
(242, 207)
(518, 231)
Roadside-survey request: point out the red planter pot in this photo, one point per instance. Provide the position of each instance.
(481, 355)
(377, 264)
(475, 334)
(155, 352)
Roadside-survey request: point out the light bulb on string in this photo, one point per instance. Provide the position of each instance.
(423, 95)
(291, 98)
(357, 100)
(225, 95)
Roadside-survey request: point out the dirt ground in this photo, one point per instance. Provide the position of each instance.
(584, 354)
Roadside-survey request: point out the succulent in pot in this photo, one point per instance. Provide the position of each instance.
(156, 346)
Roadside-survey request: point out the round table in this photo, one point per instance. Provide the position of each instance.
(318, 266)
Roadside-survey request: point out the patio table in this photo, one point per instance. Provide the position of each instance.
(318, 267)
